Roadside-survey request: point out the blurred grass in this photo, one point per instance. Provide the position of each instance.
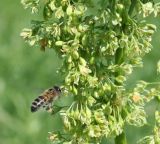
(26, 71)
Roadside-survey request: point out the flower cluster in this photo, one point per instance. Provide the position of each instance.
(100, 43)
(155, 137)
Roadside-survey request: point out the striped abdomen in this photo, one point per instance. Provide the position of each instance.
(46, 98)
(37, 103)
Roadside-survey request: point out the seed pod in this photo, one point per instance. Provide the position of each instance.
(75, 90)
(75, 55)
(82, 61)
(59, 43)
(92, 60)
(69, 59)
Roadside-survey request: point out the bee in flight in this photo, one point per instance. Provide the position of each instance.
(46, 98)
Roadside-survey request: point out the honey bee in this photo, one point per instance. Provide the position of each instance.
(46, 98)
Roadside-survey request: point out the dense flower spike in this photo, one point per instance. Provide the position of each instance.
(100, 42)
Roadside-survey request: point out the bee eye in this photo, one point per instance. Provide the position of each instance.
(57, 88)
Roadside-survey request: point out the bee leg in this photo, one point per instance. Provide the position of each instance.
(49, 107)
(46, 106)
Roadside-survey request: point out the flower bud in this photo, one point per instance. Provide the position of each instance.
(59, 43)
(82, 61)
(75, 55)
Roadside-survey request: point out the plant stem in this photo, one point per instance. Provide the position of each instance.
(133, 3)
(121, 139)
(119, 58)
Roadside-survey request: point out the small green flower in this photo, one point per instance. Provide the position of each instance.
(59, 13)
(69, 10)
(99, 116)
(94, 131)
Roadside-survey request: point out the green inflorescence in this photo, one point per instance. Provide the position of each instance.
(100, 43)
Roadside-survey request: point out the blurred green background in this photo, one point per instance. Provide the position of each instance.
(26, 71)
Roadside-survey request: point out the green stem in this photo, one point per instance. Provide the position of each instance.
(133, 4)
(119, 58)
(112, 5)
(154, 83)
(121, 139)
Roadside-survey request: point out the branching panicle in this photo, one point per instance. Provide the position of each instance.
(100, 43)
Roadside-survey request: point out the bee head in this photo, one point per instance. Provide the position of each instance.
(57, 89)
